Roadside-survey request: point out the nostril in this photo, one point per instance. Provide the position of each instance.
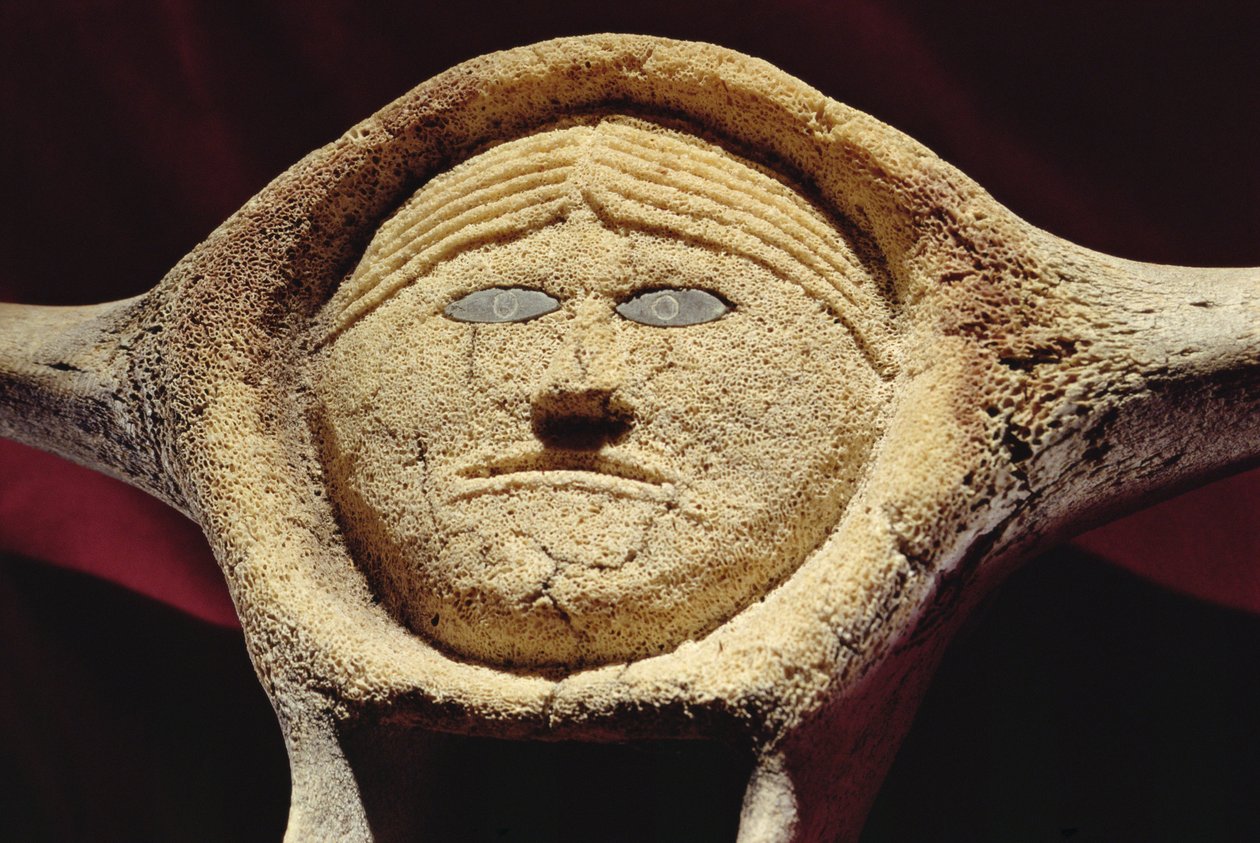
(579, 433)
(579, 421)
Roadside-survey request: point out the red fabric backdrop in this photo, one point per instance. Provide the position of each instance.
(131, 129)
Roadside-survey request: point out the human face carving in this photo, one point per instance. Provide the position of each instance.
(591, 483)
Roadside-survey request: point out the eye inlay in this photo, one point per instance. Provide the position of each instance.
(501, 304)
(673, 308)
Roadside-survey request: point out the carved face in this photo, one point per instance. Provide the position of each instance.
(588, 438)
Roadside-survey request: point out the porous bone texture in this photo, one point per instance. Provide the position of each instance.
(759, 527)
(580, 487)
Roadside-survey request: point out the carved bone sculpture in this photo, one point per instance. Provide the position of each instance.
(618, 387)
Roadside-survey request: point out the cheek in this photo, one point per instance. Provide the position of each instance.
(402, 378)
(431, 383)
(507, 362)
(470, 386)
(717, 378)
(701, 404)
(780, 399)
(445, 386)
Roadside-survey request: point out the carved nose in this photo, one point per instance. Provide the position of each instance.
(584, 420)
(577, 406)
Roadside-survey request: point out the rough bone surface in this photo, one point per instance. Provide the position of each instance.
(583, 487)
(620, 388)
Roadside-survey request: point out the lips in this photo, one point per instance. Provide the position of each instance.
(600, 471)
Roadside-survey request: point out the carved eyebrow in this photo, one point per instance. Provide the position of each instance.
(729, 204)
(764, 199)
(505, 190)
(660, 182)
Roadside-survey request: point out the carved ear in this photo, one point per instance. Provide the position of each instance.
(67, 385)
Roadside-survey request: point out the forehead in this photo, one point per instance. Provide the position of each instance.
(582, 253)
(621, 174)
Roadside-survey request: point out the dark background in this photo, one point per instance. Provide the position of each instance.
(1086, 703)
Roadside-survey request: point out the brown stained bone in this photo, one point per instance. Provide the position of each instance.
(1033, 388)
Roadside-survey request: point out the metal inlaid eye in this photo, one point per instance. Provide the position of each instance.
(673, 308)
(502, 304)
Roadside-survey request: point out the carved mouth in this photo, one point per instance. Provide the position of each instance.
(600, 472)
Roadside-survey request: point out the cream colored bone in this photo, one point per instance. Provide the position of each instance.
(723, 454)
(782, 514)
